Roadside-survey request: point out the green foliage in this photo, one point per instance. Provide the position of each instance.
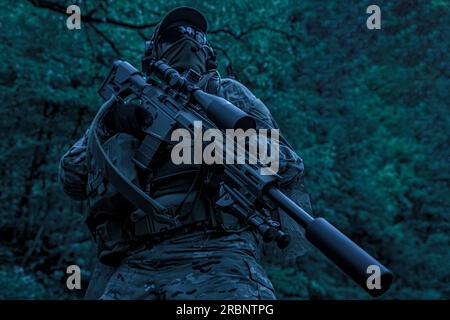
(16, 284)
(368, 111)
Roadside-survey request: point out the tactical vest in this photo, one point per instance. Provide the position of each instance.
(186, 191)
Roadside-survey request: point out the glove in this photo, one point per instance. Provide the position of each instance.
(129, 117)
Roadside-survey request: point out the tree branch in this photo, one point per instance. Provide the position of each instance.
(240, 35)
(229, 67)
(89, 18)
(104, 37)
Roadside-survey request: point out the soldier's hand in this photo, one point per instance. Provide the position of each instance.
(128, 117)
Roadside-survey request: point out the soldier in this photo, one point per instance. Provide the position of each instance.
(204, 259)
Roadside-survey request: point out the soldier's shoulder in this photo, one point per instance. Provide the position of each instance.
(233, 88)
(238, 94)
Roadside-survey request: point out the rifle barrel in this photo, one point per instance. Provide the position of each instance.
(346, 254)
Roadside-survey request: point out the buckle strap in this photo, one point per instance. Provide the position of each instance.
(143, 224)
(144, 236)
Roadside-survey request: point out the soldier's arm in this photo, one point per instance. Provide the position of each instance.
(73, 168)
(291, 165)
(73, 171)
(291, 171)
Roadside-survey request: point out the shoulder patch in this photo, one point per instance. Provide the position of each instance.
(242, 97)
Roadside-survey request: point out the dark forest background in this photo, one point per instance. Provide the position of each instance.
(368, 111)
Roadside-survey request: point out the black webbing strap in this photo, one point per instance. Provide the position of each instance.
(186, 206)
(127, 188)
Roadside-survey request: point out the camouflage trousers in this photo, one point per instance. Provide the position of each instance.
(191, 266)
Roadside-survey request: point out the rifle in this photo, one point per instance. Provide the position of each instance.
(176, 102)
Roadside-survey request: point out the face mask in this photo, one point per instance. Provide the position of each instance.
(183, 54)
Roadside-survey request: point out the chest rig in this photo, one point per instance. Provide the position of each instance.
(130, 204)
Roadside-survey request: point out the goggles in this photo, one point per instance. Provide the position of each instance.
(176, 33)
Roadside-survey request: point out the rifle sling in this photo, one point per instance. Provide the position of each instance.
(127, 188)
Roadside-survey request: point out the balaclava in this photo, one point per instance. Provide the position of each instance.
(180, 39)
(184, 47)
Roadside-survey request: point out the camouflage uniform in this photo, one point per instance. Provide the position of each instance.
(196, 265)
